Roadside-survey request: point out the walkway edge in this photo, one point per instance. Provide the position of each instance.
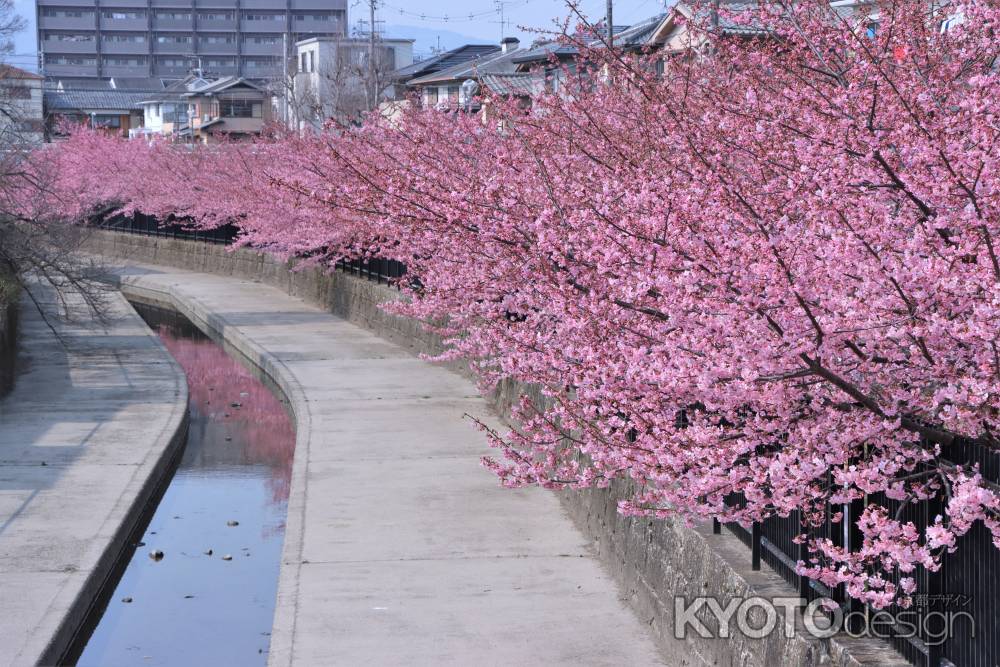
(61, 628)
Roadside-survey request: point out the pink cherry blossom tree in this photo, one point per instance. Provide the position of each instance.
(768, 273)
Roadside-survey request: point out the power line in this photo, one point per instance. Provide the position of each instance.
(454, 18)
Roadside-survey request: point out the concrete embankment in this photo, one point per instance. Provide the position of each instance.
(97, 413)
(652, 562)
(400, 549)
(9, 296)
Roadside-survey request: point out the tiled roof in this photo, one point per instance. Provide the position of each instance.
(492, 63)
(11, 72)
(97, 100)
(543, 52)
(637, 35)
(513, 84)
(444, 60)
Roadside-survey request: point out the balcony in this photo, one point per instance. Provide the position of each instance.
(140, 24)
(308, 26)
(325, 5)
(125, 70)
(272, 5)
(54, 47)
(222, 25)
(217, 49)
(215, 4)
(170, 3)
(70, 70)
(186, 25)
(182, 48)
(254, 49)
(85, 22)
(263, 26)
(221, 70)
(254, 69)
(123, 4)
(159, 68)
(89, 4)
(126, 48)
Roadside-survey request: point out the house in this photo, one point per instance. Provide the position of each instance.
(333, 78)
(458, 86)
(673, 36)
(21, 111)
(110, 109)
(402, 79)
(204, 110)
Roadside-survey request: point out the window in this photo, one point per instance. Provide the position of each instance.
(71, 60)
(126, 38)
(264, 17)
(310, 61)
(123, 62)
(431, 96)
(65, 13)
(213, 16)
(175, 16)
(156, 110)
(16, 92)
(217, 39)
(173, 39)
(219, 63)
(313, 17)
(240, 108)
(261, 40)
(124, 15)
(302, 62)
(171, 62)
(453, 93)
(68, 37)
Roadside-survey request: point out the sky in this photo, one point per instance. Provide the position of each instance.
(424, 21)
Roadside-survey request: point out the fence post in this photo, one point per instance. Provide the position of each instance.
(755, 546)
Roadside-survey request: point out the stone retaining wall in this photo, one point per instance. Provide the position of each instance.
(653, 562)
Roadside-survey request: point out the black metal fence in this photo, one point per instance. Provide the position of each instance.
(955, 616)
(378, 270)
(147, 225)
(956, 608)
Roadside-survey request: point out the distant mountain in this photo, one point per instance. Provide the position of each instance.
(427, 38)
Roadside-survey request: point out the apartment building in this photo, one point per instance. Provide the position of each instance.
(169, 38)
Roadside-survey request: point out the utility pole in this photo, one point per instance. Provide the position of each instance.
(611, 25)
(372, 85)
(286, 82)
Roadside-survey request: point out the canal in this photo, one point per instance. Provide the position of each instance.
(198, 587)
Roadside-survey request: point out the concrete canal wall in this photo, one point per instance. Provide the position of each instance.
(652, 562)
(9, 295)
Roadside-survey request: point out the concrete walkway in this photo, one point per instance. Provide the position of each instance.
(85, 436)
(400, 548)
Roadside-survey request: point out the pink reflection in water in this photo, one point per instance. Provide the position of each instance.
(222, 389)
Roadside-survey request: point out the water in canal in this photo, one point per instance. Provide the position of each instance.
(209, 598)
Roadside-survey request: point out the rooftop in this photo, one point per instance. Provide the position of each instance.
(11, 72)
(92, 100)
(492, 63)
(444, 60)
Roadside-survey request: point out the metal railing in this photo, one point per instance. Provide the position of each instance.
(955, 611)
